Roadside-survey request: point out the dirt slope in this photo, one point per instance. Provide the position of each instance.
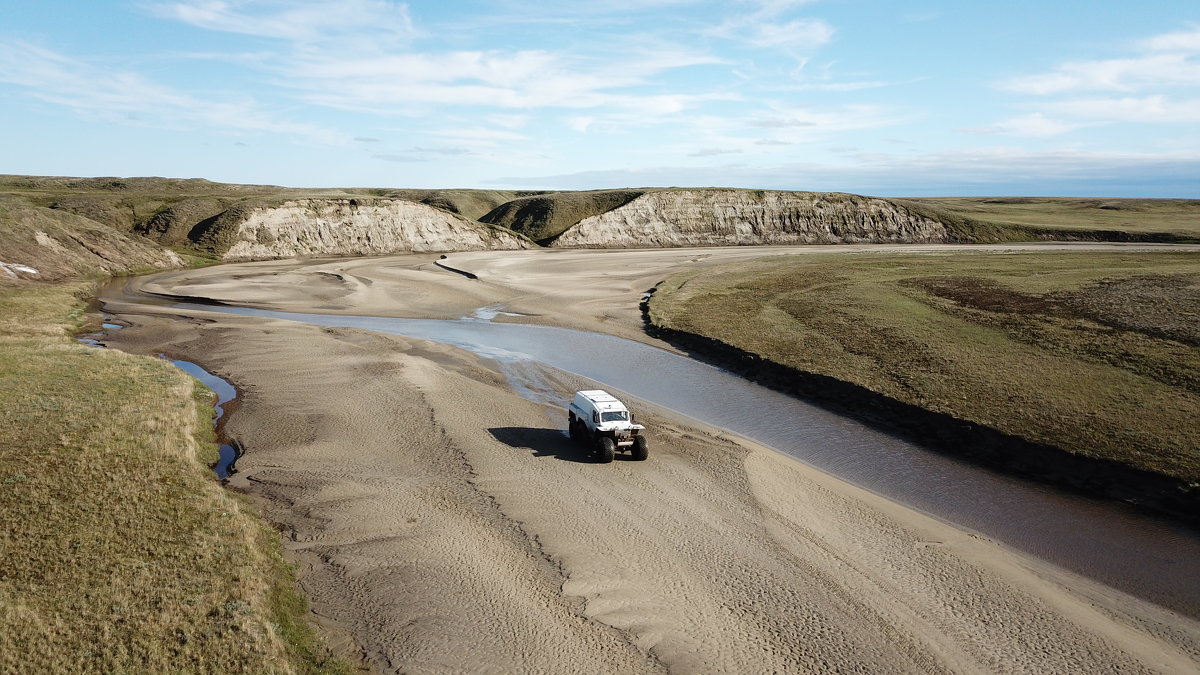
(59, 245)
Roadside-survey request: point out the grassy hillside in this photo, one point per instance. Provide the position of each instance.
(153, 205)
(195, 216)
(1094, 353)
(122, 203)
(60, 245)
(473, 204)
(122, 553)
(1101, 219)
(543, 217)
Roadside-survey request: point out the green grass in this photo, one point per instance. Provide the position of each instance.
(1177, 217)
(121, 553)
(471, 204)
(543, 218)
(1094, 353)
(62, 245)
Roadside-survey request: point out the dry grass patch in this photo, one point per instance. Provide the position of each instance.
(121, 553)
(1094, 353)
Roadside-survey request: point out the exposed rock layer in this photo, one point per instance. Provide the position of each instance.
(742, 217)
(349, 227)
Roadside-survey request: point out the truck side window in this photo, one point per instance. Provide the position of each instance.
(595, 417)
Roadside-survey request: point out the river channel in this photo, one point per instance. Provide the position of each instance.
(1109, 542)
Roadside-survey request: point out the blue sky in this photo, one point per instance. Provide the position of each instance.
(1097, 98)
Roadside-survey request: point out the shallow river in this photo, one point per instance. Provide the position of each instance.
(1106, 541)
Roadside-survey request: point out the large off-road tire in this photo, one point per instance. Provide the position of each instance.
(606, 449)
(641, 449)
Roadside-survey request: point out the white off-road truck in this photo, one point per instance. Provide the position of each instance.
(606, 425)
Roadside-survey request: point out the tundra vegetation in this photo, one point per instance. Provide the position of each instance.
(1094, 353)
(1162, 220)
(122, 553)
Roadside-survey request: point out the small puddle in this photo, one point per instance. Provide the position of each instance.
(225, 392)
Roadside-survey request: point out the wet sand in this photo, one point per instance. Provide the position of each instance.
(443, 523)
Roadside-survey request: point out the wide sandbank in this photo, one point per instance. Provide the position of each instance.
(441, 522)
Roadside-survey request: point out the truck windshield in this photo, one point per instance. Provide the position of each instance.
(614, 416)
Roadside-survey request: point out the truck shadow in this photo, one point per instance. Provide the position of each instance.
(543, 442)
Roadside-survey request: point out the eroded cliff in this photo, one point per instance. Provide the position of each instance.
(670, 218)
(351, 227)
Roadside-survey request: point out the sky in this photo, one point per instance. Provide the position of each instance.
(937, 98)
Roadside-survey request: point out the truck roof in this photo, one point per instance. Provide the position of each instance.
(602, 400)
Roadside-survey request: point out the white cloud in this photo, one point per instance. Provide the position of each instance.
(775, 7)
(1131, 74)
(92, 91)
(774, 127)
(1166, 60)
(581, 123)
(713, 152)
(394, 79)
(838, 86)
(765, 32)
(1158, 85)
(1035, 125)
(782, 123)
(1183, 41)
(295, 20)
(406, 84)
(448, 150)
(805, 120)
(396, 157)
(766, 27)
(509, 121)
(1143, 109)
(802, 33)
(479, 136)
